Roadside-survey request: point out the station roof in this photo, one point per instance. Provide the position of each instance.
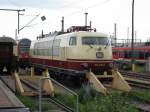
(7, 39)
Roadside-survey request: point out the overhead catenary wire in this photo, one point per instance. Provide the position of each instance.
(89, 7)
(74, 3)
(29, 22)
(71, 4)
(78, 11)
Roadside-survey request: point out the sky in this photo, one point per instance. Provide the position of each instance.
(103, 14)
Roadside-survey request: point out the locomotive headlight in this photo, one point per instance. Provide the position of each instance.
(99, 55)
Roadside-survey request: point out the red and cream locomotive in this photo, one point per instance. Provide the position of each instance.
(73, 52)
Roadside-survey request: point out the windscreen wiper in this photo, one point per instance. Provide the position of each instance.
(106, 44)
(90, 46)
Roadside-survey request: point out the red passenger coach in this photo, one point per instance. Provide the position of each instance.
(23, 52)
(124, 54)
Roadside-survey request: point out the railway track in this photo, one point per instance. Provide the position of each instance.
(140, 76)
(138, 84)
(33, 86)
(138, 80)
(62, 107)
(142, 107)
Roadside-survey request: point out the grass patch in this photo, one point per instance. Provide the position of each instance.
(92, 101)
(67, 99)
(33, 103)
(28, 102)
(143, 96)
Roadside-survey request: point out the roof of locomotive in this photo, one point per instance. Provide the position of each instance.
(83, 33)
(78, 34)
(7, 40)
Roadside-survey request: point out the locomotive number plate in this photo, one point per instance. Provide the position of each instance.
(99, 55)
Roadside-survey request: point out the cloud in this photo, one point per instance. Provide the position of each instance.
(32, 3)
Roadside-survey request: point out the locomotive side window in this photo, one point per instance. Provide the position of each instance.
(95, 40)
(56, 48)
(35, 52)
(72, 41)
(50, 47)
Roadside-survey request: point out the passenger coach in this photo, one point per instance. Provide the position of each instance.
(8, 54)
(23, 52)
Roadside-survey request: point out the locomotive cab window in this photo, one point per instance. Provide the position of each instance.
(95, 41)
(72, 41)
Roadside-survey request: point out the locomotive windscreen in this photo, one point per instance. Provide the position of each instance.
(94, 40)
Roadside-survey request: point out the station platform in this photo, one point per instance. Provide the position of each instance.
(9, 102)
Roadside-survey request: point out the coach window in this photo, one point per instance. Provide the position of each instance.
(72, 41)
(147, 54)
(136, 54)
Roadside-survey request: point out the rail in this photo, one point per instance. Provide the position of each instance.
(57, 102)
(68, 109)
(140, 76)
(15, 109)
(139, 80)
